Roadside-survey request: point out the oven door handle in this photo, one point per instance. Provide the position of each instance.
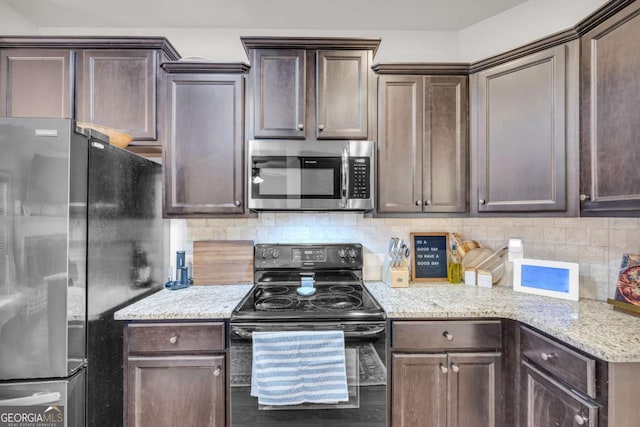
(246, 333)
(345, 177)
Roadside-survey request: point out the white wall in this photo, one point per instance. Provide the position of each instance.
(522, 24)
(224, 44)
(515, 27)
(14, 24)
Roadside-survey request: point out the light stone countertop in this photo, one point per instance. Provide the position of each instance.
(589, 325)
(194, 302)
(592, 326)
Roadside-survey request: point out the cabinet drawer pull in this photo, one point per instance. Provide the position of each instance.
(237, 203)
(455, 368)
(482, 201)
(548, 357)
(321, 127)
(585, 197)
(173, 339)
(300, 126)
(447, 335)
(443, 369)
(418, 202)
(581, 419)
(427, 202)
(216, 372)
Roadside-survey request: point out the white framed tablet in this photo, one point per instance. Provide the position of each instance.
(549, 278)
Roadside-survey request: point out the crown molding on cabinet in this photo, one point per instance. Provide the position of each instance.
(347, 43)
(97, 42)
(420, 68)
(601, 15)
(205, 67)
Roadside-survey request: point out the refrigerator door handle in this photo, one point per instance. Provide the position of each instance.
(39, 398)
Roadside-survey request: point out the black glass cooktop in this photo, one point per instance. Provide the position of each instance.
(332, 299)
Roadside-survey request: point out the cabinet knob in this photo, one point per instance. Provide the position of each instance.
(427, 202)
(237, 203)
(443, 369)
(580, 419)
(455, 368)
(173, 339)
(320, 127)
(548, 357)
(585, 197)
(482, 201)
(447, 335)
(418, 202)
(300, 126)
(217, 371)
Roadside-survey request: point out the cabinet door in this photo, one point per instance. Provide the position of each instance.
(278, 93)
(117, 88)
(445, 144)
(341, 99)
(400, 135)
(609, 116)
(475, 394)
(36, 83)
(545, 402)
(521, 143)
(419, 393)
(203, 155)
(176, 391)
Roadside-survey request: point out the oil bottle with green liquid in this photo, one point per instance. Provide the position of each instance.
(454, 267)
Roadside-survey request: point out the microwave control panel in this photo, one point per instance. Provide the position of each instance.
(359, 179)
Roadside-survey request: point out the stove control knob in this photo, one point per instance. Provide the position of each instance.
(275, 254)
(264, 254)
(352, 253)
(342, 253)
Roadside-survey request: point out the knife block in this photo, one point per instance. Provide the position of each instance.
(396, 277)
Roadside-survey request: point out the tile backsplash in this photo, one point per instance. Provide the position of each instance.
(597, 244)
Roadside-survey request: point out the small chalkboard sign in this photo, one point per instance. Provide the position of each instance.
(429, 256)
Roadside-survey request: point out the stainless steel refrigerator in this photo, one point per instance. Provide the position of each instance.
(81, 235)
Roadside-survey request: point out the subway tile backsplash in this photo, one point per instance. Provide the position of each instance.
(597, 244)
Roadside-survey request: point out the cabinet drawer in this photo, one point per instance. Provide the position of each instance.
(567, 365)
(175, 338)
(447, 335)
(546, 402)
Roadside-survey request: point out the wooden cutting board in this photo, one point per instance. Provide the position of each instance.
(222, 262)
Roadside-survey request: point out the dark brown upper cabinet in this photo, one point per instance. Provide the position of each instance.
(306, 88)
(117, 88)
(422, 143)
(115, 81)
(203, 156)
(524, 134)
(36, 82)
(279, 93)
(610, 125)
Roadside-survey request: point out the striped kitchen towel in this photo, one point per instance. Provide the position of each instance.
(293, 367)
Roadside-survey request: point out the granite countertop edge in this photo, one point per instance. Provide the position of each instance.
(588, 325)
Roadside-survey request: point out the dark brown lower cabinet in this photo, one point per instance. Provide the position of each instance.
(176, 391)
(455, 389)
(546, 402)
(175, 374)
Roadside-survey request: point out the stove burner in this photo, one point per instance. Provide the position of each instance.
(276, 303)
(342, 289)
(269, 291)
(336, 302)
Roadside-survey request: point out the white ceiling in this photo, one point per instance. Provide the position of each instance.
(375, 15)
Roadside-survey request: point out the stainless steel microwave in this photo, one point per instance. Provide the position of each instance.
(311, 175)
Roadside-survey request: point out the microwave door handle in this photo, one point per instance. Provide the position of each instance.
(345, 176)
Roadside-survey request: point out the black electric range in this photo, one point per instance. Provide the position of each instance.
(333, 271)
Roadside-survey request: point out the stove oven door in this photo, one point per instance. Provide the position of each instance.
(366, 378)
